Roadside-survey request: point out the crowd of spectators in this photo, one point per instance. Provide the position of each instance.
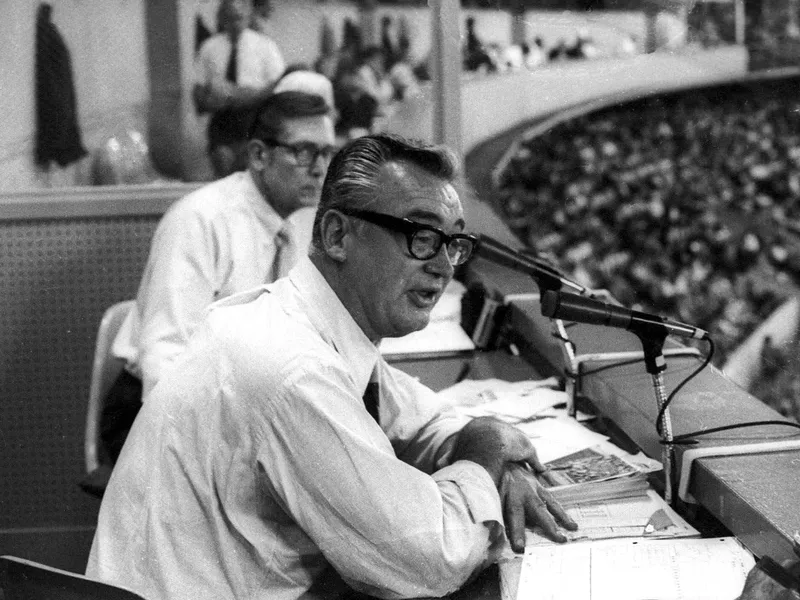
(492, 57)
(771, 30)
(685, 205)
(368, 79)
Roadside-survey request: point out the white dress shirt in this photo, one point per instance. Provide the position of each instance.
(259, 61)
(217, 241)
(257, 472)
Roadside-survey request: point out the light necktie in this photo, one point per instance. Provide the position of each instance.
(232, 70)
(285, 252)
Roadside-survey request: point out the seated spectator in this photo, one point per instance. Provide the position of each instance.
(475, 55)
(512, 57)
(558, 52)
(371, 77)
(534, 55)
(628, 46)
(356, 108)
(583, 48)
(235, 233)
(236, 70)
(390, 47)
(402, 76)
(363, 94)
(284, 458)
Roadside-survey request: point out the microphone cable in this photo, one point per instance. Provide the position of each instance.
(684, 439)
(687, 439)
(686, 380)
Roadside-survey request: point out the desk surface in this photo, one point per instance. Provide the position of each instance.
(440, 373)
(754, 497)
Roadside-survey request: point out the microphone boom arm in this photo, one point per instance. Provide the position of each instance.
(547, 278)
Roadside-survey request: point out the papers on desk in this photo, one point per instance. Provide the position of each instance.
(601, 491)
(560, 436)
(631, 569)
(509, 401)
(598, 474)
(645, 516)
(587, 466)
(630, 544)
(531, 406)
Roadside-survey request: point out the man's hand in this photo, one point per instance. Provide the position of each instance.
(493, 444)
(527, 502)
(510, 459)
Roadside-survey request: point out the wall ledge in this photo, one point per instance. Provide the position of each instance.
(91, 201)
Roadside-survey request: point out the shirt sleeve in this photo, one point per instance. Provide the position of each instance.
(388, 528)
(177, 287)
(421, 427)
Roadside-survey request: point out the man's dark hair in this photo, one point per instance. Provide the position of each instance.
(274, 111)
(352, 178)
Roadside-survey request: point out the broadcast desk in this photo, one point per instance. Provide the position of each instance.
(752, 496)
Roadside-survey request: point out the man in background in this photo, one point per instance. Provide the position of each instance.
(236, 70)
(230, 235)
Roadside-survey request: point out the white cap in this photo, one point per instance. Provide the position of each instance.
(309, 82)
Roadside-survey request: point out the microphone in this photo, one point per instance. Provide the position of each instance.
(546, 276)
(580, 309)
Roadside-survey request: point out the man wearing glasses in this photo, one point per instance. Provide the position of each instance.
(233, 234)
(283, 457)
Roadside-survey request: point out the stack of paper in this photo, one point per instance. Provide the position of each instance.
(588, 466)
(601, 491)
(644, 515)
(630, 544)
(595, 475)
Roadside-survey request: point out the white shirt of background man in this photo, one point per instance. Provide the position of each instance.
(217, 241)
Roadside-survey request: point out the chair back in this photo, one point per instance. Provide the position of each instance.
(105, 369)
(22, 579)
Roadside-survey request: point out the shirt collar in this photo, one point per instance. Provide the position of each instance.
(334, 322)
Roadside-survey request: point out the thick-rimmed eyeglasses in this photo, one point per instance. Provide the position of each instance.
(424, 241)
(304, 154)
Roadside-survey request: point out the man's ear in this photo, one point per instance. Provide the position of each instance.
(257, 154)
(335, 228)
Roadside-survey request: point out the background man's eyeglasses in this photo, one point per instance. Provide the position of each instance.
(424, 241)
(304, 154)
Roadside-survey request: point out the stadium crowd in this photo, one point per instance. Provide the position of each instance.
(684, 204)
